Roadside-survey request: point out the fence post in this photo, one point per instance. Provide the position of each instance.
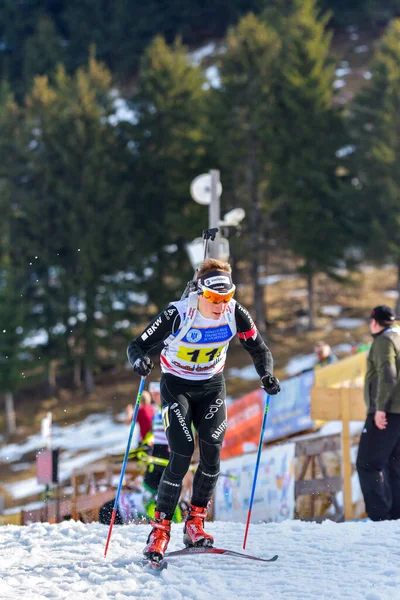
(346, 454)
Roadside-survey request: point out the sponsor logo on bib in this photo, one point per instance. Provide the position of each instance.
(194, 335)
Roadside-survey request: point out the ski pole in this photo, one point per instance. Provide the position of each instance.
(114, 512)
(256, 469)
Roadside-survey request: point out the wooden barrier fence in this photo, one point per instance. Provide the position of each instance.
(87, 498)
(312, 452)
(86, 507)
(343, 404)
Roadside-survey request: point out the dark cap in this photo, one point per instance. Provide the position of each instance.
(383, 314)
(218, 281)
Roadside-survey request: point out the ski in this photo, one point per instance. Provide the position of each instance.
(154, 565)
(157, 566)
(205, 550)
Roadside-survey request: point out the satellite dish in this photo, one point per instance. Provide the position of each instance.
(200, 189)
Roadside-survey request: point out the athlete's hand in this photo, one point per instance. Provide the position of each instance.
(143, 366)
(380, 419)
(270, 384)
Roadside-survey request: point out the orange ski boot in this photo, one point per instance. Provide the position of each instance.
(193, 533)
(158, 539)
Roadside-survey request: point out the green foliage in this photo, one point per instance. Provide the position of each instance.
(376, 130)
(121, 30)
(242, 122)
(95, 209)
(19, 23)
(314, 215)
(361, 11)
(73, 202)
(169, 140)
(43, 51)
(245, 100)
(13, 314)
(12, 309)
(13, 280)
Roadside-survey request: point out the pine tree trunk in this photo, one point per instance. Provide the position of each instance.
(89, 380)
(310, 290)
(10, 414)
(52, 376)
(90, 346)
(77, 373)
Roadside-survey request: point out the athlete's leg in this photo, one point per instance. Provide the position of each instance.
(209, 418)
(177, 418)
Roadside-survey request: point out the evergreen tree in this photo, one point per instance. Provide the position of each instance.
(18, 22)
(276, 13)
(89, 23)
(43, 52)
(242, 127)
(376, 130)
(78, 172)
(13, 316)
(169, 142)
(314, 218)
(12, 274)
(51, 271)
(122, 30)
(374, 12)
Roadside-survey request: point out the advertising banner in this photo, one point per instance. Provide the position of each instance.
(274, 495)
(290, 411)
(244, 424)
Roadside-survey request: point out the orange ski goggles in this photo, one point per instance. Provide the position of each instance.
(216, 297)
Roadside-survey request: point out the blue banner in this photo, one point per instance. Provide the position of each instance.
(290, 411)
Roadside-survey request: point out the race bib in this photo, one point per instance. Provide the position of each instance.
(199, 355)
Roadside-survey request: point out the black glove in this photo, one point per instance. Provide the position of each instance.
(270, 384)
(143, 366)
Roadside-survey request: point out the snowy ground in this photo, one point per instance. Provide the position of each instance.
(348, 561)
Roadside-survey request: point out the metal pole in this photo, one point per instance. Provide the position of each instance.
(214, 212)
(121, 479)
(253, 489)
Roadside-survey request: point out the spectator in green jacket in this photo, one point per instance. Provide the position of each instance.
(378, 460)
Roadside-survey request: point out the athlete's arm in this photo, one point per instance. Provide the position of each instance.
(252, 341)
(151, 340)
